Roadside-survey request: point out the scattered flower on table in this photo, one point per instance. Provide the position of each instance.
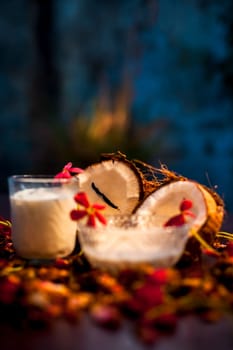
(5, 226)
(229, 249)
(153, 299)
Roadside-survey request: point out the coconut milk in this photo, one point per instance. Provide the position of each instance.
(41, 223)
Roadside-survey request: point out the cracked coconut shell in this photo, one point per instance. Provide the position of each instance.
(114, 182)
(207, 206)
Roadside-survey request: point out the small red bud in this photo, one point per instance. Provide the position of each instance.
(186, 204)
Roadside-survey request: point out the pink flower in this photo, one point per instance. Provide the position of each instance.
(67, 171)
(90, 211)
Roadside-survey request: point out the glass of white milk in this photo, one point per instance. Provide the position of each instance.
(40, 216)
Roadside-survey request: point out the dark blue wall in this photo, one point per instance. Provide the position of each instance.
(150, 78)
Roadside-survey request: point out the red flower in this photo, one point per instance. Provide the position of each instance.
(181, 219)
(145, 298)
(229, 249)
(8, 289)
(67, 170)
(158, 276)
(91, 211)
(149, 296)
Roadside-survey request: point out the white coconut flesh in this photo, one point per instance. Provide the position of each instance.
(112, 183)
(165, 202)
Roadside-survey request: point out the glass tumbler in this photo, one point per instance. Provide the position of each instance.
(40, 216)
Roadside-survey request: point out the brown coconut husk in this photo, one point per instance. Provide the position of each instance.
(146, 173)
(153, 178)
(119, 156)
(215, 204)
(120, 182)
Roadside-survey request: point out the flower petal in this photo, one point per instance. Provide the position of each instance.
(98, 206)
(81, 198)
(177, 220)
(63, 175)
(186, 204)
(91, 220)
(76, 170)
(68, 166)
(77, 214)
(67, 170)
(101, 218)
(189, 213)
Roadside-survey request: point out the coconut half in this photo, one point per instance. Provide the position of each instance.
(115, 183)
(165, 202)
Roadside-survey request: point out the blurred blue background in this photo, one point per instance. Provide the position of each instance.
(150, 78)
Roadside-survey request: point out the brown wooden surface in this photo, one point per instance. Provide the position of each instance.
(191, 333)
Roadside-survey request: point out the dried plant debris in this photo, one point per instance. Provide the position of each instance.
(152, 299)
